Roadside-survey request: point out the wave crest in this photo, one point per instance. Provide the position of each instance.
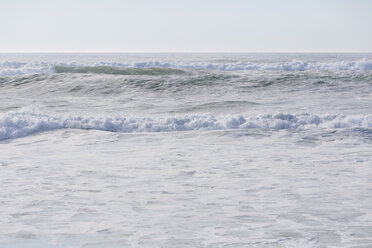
(117, 70)
(14, 68)
(20, 124)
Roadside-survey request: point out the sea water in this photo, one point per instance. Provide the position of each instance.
(185, 150)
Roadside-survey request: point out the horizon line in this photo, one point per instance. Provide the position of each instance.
(180, 52)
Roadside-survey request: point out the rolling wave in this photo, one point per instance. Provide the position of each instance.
(23, 123)
(117, 70)
(14, 68)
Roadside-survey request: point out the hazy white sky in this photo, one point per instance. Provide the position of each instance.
(186, 26)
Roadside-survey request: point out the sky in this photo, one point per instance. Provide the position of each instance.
(185, 26)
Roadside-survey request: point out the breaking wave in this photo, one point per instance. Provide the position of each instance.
(117, 70)
(13, 68)
(23, 123)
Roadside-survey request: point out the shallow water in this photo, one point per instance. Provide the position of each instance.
(186, 150)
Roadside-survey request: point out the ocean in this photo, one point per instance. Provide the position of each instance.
(185, 150)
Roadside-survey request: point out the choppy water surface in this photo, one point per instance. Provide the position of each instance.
(186, 150)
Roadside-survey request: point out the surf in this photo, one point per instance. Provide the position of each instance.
(16, 124)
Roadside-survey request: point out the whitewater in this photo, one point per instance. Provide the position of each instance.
(185, 150)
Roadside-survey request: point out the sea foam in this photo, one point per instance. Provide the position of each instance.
(14, 68)
(24, 123)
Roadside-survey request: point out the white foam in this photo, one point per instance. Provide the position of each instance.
(14, 68)
(294, 65)
(23, 123)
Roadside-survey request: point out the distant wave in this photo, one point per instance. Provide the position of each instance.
(23, 123)
(117, 70)
(246, 66)
(13, 68)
